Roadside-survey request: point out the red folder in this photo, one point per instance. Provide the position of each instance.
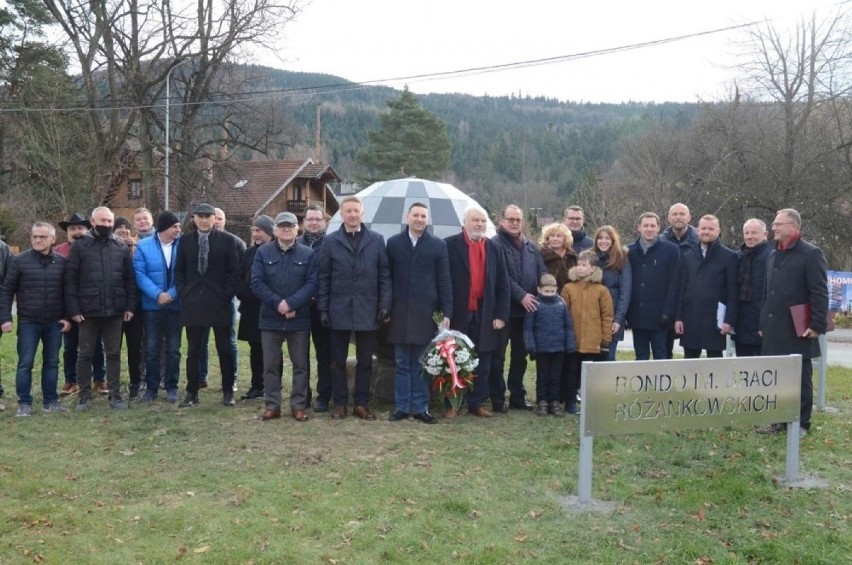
(802, 318)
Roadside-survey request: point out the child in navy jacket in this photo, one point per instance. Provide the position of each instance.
(549, 336)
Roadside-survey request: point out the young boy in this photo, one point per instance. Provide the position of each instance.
(548, 335)
(591, 312)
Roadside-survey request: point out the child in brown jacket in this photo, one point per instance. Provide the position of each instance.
(591, 313)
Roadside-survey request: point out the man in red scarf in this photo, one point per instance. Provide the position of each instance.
(796, 273)
(480, 298)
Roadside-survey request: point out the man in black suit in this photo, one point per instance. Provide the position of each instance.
(796, 273)
(207, 276)
(480, 298)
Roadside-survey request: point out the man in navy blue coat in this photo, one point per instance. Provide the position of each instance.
(655, 265)
(420, 269)
(751, 287)
(525, 267)
(708, 279)
(480, 298)
(354, 298)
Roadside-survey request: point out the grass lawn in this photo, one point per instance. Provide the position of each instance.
(210, 484)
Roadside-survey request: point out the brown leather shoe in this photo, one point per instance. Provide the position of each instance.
(480, 412)
(69, 389)
(299, 415)
(101, 387)
(270, 415)
(339, 413)
(364, 413)
(451, 414)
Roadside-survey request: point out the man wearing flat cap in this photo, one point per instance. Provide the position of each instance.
(154, 263)
(261, 232)
(207, 277)
(75, 227)
(284, 278)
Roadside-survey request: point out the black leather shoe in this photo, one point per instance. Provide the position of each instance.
(500, 409)
(228, 399)
(252, 394)
(189, 401)
(321, 406)
(426, 418)
(522, 406)
(397, 416)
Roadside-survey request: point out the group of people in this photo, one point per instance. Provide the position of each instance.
(563, 300)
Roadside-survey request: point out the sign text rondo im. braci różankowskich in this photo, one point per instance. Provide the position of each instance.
(629, 397)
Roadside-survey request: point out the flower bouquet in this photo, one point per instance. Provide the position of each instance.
(451, 360)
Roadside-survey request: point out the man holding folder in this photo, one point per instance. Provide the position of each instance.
(796, 275)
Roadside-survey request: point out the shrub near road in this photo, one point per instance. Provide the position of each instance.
(211, 485)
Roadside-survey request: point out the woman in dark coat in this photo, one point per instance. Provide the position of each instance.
(612, 259)
(556, 246)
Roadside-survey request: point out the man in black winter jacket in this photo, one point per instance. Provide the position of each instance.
(35, 278)
(100, 294)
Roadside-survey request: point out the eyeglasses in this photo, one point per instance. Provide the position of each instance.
(776, 224)
(513, 220)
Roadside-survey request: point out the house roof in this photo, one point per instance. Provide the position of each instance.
(245, 188)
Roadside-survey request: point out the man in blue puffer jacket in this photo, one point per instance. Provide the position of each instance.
(154, 263)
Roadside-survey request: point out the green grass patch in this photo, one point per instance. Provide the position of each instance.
(208, 484)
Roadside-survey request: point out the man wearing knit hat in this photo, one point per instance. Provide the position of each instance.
(154, 263)
(261, 232)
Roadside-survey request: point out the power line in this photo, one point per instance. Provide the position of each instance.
(346, 86)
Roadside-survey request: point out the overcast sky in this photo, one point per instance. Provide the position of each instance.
(365, 40)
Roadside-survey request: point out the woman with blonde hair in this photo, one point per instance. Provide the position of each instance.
(612, 259)
(556, 250)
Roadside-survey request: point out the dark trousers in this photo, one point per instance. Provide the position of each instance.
(133, 333)
(748, 349)
(70, 344)
(548, 376)
(646, 342)
(671, 336)
(195, 338)
(256, 362)
(162, 348)
(91, 330)
(481, 388)
(321, 338)
(365, 344)
(575, 368)
(689, 353)
(807, 402)
(512, 334)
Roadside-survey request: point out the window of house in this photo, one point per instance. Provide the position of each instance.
(134, 188)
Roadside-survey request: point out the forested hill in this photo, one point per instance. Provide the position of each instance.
(503, 143)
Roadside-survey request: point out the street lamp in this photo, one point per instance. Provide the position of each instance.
(168, 147)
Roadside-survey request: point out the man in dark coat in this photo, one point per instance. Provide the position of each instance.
(314, 224)
(261, 232)
(796, 273)
(34, 280)
(525, 266)
(207, 277)
(751, 287)
(481, 300)
(100, 295)
(708, 279)
(685, 237)
(574, 218)
(354, 297)
(655, 266)
(284, 279)
(420, 270)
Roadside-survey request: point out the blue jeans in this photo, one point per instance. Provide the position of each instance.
(410, 387)
(647, 341)
(162, 327)
(29, 335)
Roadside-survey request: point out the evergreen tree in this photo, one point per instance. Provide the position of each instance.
(411, 142)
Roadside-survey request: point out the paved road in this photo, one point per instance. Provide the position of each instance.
(839, 347)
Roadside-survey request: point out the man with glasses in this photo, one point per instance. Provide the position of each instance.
(575, 220)
(796, 273)
(35, 281)
(525, 266)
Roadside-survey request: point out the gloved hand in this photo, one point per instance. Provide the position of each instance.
(325, 321)
(382, 316)
(665, 322)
